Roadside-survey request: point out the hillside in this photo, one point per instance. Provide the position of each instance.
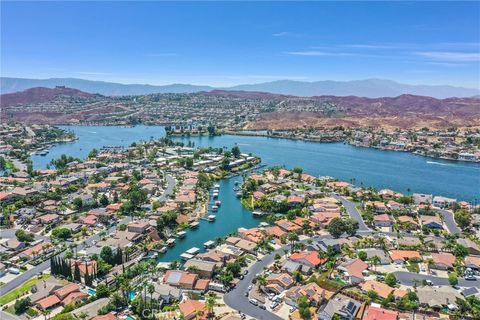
(40, 95)
(372, 88)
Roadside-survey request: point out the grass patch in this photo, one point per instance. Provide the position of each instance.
(21, 290)
(413, 267)
(32, 312)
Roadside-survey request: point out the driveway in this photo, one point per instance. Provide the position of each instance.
(354, 213)
(169, 189)
(406, 278)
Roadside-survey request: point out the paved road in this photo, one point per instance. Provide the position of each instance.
(449, 221)
(236, 298)
(46, 264)
(169, 189)
(8, 316)
(354, 213)
(406, 278)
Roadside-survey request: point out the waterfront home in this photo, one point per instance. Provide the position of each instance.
(204, 269)
(216, 256)
(341, 306)
(275, 231)
(401, 256)
(353, 270)
(180, 279)
(420, 198)
(323, 218)
(253, 234)
(375, 312)
(139, 226)
(443, 261)
(443, 202)
(377, 206)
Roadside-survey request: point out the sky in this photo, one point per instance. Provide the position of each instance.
(229, 43)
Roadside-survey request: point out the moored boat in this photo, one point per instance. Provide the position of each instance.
(171, 242)
(211, 217)
(181, 234)
(194, 224)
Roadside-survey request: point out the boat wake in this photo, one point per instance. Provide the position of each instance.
(92, 132)
(440, 163)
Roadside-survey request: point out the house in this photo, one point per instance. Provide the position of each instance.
(37, 250)
(443, 202)
(180, 279)
(139, 226)
(3, 269)
(472, 247)
(315, 294)
(307, 258)
(437, 297)
(375, 312)
(377, 206)
(288, 226)
(383, 290)
(48, 302)
(408, 222)
(432, 222)
(382, 220)
(203, 268)
(472, 262)
(50, 218)
(342, 306)
(166, 293)
(279, 282)
(353, 270)
(419, 198)
(443, 261)
(401, 256)
(372, 252)
(192, 309)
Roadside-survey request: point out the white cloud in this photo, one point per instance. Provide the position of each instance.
(450, 56)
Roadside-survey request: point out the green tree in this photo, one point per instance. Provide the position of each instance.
(463, 218)
(24, 236)
(391, 280)
(336, 227)
(236, 152)
(102, 291)
(22, 305)
(362, 255)
(304, 307)
(452, 279)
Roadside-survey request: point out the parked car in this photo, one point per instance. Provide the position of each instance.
(262, 306)
(253, 301)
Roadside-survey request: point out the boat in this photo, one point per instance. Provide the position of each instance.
(263, 224)
(218, 203)
(216, 186)
(215, 194)
(237, 183)
(214, 208)
(162, 250)
(171, 242)
(209, 244)
(211, 217)
(181, 234)
(239, 194)
(185, 256)
(194, 224)
(236, 189)
(257, 213)
(193, 251)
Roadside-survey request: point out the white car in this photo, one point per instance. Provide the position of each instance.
(250, 287)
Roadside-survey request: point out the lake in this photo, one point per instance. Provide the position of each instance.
(400, 171)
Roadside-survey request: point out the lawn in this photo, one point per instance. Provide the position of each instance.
(20, 291)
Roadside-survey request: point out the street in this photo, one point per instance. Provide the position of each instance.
(407, 278)
(449, 220)
(354, 213)
(96, 237)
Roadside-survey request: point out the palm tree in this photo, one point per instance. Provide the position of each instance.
(151, 290)
(262, 281)
(210, 302)
(292, 237)
(375, 262)
(430, 263)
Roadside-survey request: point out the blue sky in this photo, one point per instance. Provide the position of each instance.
(228, 43)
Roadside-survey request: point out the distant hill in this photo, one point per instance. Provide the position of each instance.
(9, 85)
(40, 95)
(370, 88)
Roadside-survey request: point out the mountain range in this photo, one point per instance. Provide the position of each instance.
(370, 88)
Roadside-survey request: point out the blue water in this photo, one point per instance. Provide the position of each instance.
(230, 216)
(90, 137)
(400, 171)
